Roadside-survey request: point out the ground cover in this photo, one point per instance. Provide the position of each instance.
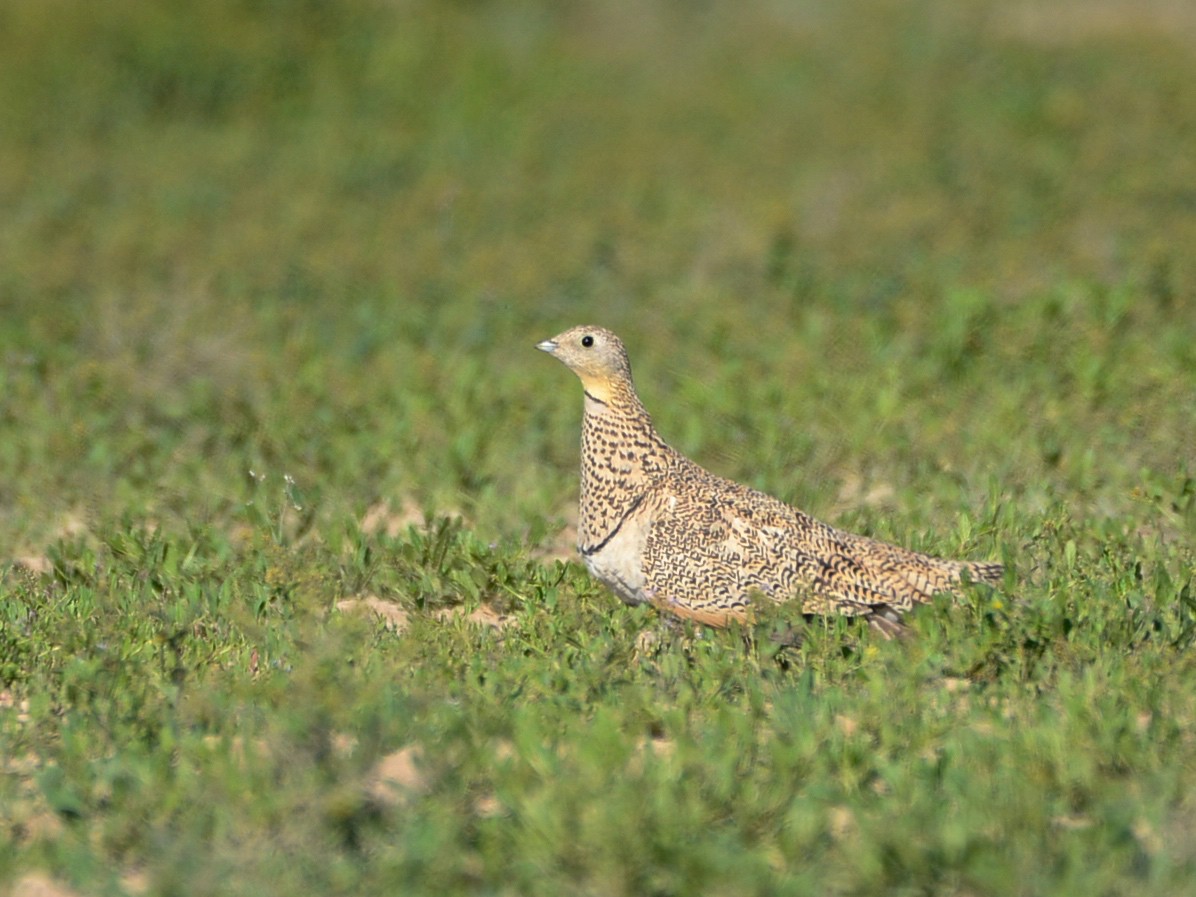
(288, 603)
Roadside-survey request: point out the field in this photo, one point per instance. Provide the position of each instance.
(288, 602)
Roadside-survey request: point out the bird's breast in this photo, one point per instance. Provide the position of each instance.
(619, 562)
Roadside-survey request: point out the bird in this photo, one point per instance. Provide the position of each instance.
(658, 529)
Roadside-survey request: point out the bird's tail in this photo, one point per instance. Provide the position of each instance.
(975, 571)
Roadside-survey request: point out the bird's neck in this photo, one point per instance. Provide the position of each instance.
(621, 456)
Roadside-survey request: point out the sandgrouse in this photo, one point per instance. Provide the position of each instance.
(655, 527)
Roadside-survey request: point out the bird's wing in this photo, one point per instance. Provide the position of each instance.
(711, 551)
(714, 545)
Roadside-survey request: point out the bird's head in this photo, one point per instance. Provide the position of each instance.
(595, 354)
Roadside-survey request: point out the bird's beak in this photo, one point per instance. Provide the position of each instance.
(547, 346)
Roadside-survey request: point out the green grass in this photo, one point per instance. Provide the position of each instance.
(271, 275)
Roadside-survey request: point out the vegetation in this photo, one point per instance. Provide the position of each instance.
(288, 604)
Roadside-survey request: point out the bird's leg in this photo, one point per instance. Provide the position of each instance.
(888, 623)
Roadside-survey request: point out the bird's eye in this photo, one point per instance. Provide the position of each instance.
(587, 341)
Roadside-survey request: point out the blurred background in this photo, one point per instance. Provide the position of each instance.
(852, 247)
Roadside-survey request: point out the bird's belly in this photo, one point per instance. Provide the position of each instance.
(619, 564)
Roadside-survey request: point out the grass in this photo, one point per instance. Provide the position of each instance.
(271, 277)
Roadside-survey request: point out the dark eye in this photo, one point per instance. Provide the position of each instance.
(587, 341)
